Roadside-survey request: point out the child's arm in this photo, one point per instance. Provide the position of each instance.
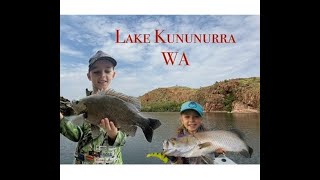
(120, 139)
(115, 137)
(69, 130)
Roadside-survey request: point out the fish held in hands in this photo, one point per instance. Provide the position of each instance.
(122, 110)
(202, 143)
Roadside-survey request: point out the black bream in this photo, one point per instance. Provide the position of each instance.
(206, 142)
(122, 110)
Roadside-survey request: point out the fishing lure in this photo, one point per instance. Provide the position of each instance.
(160, 156)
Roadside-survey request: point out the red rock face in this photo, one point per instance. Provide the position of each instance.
(235, 95)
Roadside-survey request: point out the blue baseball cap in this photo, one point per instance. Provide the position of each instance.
(192, 105)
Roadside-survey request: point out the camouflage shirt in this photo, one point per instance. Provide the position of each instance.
(92, 150)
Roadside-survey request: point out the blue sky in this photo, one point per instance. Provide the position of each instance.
(141, 67)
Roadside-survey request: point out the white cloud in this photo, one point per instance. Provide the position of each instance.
(64, 49)
(141, 67)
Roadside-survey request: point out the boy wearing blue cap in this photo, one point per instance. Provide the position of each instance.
(105, 147)
(191, 114)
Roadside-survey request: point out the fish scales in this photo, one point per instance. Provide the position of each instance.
(202, 143)
(122, 110)
(226, 139)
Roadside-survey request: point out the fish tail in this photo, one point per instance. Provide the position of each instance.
(250, 151)
(148, 133)
(160, 156)
(154, 123)
(247, 152)
(148, 130)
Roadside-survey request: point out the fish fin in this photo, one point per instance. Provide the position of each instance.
(88, 93)
(131, 131)
(95, 131)
(204, 145)
(133, 100)
(207, 160)
(154, 123)
(160, 156)
(148, 133)
(247, 153)
(250, 151)
(148, 130)
(100, 92)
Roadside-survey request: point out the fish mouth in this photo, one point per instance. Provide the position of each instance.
(83, 112)
(176, 152)
(170, 152)
(170, 149)
(165, 145)
(167, 149)
(79, 108)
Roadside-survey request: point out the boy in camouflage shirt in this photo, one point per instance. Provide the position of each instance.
(105, 147)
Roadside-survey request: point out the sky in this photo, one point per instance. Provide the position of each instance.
(141, 66)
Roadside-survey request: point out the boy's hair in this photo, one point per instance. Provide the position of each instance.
(100, 55)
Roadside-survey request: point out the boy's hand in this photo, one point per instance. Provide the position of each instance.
(109, 127)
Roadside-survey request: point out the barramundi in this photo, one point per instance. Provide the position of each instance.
(202, 143)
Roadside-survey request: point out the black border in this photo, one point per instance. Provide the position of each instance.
(37, 120)
(274, 92)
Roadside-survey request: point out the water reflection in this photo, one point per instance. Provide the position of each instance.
(136, 148)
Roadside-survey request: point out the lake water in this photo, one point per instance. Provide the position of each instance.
(136, 148)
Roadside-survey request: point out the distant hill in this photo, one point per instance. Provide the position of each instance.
(234, 95)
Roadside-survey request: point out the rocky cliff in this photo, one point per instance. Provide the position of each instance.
(234, 95)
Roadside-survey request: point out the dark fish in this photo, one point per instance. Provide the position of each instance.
(122, 110)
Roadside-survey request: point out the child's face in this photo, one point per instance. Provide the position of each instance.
(101, 74)
(191, 120)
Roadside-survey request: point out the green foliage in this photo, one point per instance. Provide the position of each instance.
(222, 93)
(253, 81)
(229, 98)
(163, 107)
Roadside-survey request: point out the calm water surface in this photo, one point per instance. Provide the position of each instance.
(136, 148)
